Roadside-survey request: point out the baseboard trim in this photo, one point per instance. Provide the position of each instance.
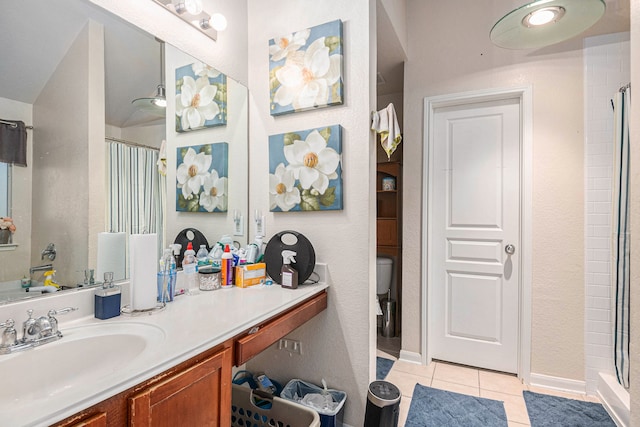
(411, 357)
(558, 383)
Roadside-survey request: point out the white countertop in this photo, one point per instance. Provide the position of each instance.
(186, 327)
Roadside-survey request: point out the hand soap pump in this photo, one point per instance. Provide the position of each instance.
(289, 274)
(107, 299)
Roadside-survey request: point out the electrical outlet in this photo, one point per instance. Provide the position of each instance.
(292, 346)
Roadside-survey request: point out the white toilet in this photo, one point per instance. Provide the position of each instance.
(384, 269)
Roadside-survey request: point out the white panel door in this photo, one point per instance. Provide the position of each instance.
(475, 214)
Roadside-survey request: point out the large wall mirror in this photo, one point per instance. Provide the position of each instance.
(72, 73)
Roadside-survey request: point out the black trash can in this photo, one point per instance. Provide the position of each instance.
(383, 405)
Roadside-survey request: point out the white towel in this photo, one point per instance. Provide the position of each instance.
(162, 159)
(385, 123)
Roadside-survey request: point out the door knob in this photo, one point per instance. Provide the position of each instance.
(510, 249)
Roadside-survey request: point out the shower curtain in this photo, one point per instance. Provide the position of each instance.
(136, 191)
(620, 234)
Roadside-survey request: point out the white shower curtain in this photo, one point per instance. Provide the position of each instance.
(136, 191)
(620, 236)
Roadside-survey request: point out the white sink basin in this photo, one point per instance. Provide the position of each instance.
(84, 356)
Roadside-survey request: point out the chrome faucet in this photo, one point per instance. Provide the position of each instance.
(43, 267)
(35, 332)
(49, 252)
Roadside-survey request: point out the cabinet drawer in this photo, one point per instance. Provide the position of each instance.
(387, 232)
(270, 332)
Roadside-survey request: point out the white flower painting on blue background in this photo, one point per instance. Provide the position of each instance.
(201, 178)
(305, 170)
(305, 69)
(201, 97)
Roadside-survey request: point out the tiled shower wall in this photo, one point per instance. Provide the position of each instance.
(606, 68)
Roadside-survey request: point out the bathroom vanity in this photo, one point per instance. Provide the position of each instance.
(170, 368)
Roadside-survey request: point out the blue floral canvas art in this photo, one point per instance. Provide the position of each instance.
(305, 69)
(201, 178)
(201, 97)
(305, 170)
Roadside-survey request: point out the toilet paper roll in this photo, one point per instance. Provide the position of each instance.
(143, 249)
(111, 255)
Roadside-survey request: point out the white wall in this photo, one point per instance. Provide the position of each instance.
(337, 344)
(68, 148)
(397, 12)
(15, 263)
(444, 59)
(606, 68)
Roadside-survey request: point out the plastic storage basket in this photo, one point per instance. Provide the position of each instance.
(281, 412)
(296, 389)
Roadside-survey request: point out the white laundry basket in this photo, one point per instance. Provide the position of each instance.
(245, 412)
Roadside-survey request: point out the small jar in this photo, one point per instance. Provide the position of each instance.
(388, 183)
(210, 278)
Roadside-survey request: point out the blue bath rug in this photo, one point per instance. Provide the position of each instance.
(545, 410)
(383, 366)
(434, 407)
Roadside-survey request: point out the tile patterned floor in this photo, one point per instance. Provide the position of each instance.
(465, 380)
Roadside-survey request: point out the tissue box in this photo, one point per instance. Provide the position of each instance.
(250, 274)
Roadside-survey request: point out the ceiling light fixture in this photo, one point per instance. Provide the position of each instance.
(192, 7)
(192, 11)
(545, 22)
(156, 105)
(544, 16)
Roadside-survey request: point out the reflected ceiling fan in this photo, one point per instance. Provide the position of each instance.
(157, 104)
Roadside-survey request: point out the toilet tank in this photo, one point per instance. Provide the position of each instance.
(384, 268)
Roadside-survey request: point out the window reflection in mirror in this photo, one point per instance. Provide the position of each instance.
(5, 188)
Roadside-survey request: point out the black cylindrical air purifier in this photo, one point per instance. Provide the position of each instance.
(383, 405)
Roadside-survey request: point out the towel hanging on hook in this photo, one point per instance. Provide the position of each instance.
(385, 122)
(13, 143)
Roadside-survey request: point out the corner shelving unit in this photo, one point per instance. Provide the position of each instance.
(389, 225)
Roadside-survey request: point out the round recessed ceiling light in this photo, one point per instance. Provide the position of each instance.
(527, 27)
(543, 16)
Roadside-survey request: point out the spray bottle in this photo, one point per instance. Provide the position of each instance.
(289, 274)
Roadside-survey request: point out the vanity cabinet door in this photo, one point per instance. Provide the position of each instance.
(197, 396)
(97, 420)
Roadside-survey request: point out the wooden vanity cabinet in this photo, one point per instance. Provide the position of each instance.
(196, 392)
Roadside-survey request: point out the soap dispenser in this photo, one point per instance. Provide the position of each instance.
(289, 274)
(107, 299)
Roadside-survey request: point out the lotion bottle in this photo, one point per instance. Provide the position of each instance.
(289, 274)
